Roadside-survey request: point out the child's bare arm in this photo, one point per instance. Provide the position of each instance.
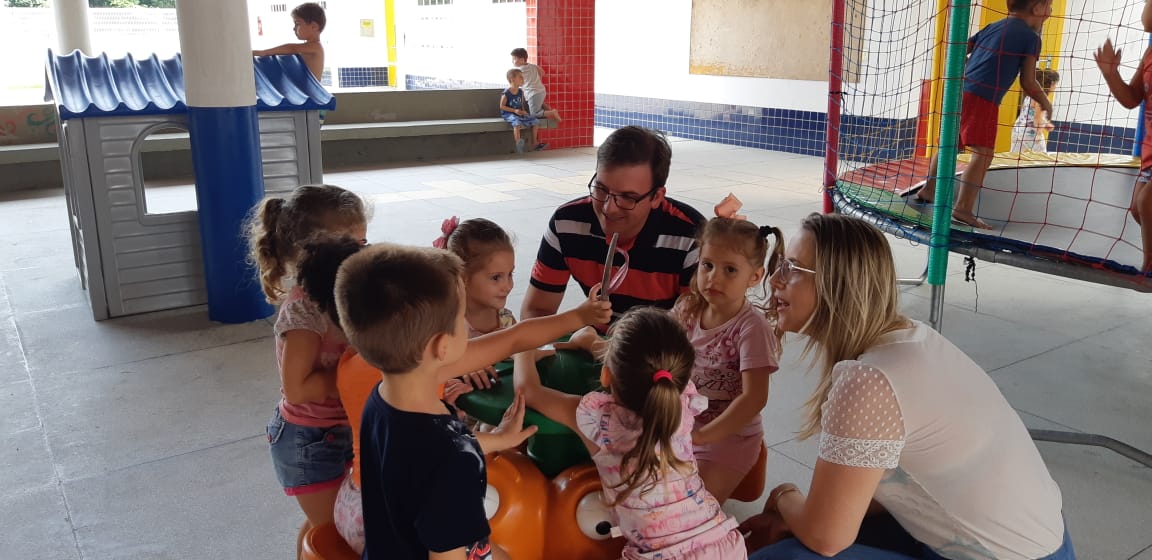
(555, 405)
(302, 383)
(740, 411)
(1038, 119)
(511, 431)
(486, 350)
(290, 48)
(1128, 94)
(1032, 87)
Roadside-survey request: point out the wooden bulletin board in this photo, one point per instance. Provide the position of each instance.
(785, 39)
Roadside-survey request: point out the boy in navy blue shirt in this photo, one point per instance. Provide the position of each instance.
(996, 55)
(422, 471)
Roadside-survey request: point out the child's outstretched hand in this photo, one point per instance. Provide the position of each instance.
(593, 311)
(511, 431)
(1108, 57)
(584, 339)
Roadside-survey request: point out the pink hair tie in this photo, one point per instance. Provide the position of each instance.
(662, 374)
(729, 207)
(446, 230)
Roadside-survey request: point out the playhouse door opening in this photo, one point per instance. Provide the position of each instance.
(166, 167)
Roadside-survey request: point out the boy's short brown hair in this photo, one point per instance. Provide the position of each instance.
(520, 53)
(512, 73)
(311, 12)
(392, 300)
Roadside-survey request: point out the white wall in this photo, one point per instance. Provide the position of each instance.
(466, 40)
(893, 42)
(639, 55)
(1082, 96)
(642, 50)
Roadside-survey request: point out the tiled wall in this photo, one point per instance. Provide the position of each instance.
(1090, 138)
(862, 139)
(561, 40)
(362, 76)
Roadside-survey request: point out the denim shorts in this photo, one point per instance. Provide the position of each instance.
(308, 459)
(1145, 176)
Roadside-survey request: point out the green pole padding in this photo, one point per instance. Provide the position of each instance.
(949, 135)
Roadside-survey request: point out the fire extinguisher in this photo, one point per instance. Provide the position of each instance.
(259, 27)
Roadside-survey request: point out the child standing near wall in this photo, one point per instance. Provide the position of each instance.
(997, 54)
(514, 109)
(308, 21)
(1130, 94)
(1030, 131)
(534, 90)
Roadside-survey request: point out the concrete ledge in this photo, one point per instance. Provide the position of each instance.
(27, 153)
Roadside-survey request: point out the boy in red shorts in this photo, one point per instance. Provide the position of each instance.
(996, 55)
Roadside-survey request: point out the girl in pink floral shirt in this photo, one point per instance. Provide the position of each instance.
(736, 349)
(639, 436)
(308, 436)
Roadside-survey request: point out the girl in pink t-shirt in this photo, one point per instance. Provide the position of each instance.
(736, 348)
(308, 436)
(640, 437)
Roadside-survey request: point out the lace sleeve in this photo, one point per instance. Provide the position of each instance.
(862, 425)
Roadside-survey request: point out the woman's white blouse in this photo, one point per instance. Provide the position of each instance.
(962, 474)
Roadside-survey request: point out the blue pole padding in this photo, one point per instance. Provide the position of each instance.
(225, 145)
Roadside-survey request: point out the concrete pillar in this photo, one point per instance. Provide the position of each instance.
(562, 41)
(220, 89)
(72, 26)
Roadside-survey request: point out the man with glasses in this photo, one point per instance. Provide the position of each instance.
(625, 196)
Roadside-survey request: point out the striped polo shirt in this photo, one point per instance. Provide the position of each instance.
(662, 258)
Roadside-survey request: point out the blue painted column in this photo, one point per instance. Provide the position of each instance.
(220, 89)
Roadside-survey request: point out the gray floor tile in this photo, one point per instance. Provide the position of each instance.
(152, 409)
(1075, 308)
(990, 341)
(18, 402)
(36, 525)
(1086, 387)
(216, 503)
(1106, 500)
(1145, 554)
(45, 288)
(69, 340)
(12, 365)
(29, 250)
(26, 463)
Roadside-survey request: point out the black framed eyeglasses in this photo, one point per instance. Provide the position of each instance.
(622, 201)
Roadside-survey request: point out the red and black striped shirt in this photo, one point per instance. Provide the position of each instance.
(662, 258)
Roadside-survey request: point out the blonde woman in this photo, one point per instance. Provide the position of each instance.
(921, 457)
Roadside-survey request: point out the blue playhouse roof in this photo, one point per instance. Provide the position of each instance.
(84, 86)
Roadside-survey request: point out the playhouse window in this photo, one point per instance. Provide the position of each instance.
(166, 170)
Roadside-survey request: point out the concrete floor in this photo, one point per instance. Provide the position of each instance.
(142, 437)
